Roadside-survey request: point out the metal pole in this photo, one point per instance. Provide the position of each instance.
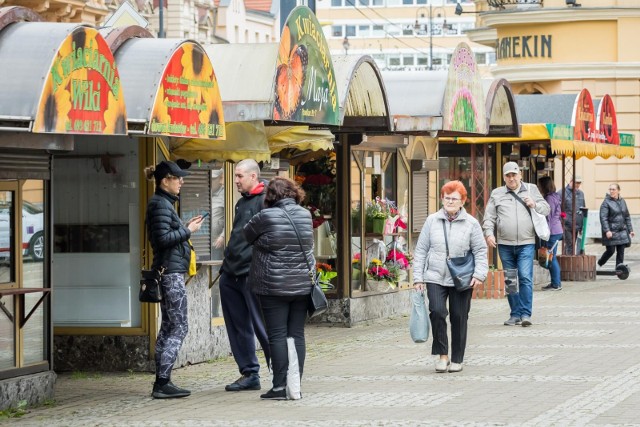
(161, 18)
(430, 36)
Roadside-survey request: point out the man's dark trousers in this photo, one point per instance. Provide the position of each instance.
(243, 319)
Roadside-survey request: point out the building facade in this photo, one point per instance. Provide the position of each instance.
(562, 47)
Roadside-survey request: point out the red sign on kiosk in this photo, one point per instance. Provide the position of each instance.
(584, 118)
(607, 123)
(82, 92)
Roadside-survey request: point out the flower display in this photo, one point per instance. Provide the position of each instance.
(399, 259)
(381, 208)
(318, 179)
(325, 274)
(356, 261)
(316, 216)
(378, 271)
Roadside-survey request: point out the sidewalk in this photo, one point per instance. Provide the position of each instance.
(579, 364)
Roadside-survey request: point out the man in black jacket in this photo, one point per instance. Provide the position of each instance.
(240, 308)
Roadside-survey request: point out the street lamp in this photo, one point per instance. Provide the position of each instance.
(346, 45)
(417, 25)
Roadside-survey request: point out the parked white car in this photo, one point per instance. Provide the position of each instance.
(32, 230)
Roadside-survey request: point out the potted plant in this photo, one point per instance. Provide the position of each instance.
(377, 213)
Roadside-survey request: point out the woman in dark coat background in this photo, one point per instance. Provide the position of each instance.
(616, 226)
(279, 273)
(169, 238)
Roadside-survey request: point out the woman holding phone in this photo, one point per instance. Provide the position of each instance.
(169, 239)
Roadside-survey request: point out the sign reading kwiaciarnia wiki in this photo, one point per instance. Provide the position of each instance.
(82, 92)
(305, 81)
(188, 100)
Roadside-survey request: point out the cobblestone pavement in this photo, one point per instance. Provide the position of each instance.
(578, 365)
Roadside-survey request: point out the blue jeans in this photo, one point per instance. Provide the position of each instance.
(554, 265)
(520, 257)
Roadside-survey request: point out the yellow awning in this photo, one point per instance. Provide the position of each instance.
(299, 137)
(245, 140)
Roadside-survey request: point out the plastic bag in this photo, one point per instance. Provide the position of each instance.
(377, 250)
(419, 320)
(293, 373)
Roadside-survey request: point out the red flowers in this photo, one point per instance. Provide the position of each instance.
(398, 258)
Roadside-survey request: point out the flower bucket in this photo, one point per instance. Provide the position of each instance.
(378, 286)
(368, 225)
(378, 225)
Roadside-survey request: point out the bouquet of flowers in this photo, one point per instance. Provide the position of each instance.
(355, 261)
(399, 259)
(325, 274)
(379, 208)
(316, 216)
(378, 271)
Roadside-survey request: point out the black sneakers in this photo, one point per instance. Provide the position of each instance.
(274, 395)
(551, 287)
(169, 391)
(245, 382)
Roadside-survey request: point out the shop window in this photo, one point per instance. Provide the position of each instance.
(379, 220)
(336, 30)
(8, 343)
(97, 229)
(350, 30)
(407, 60)
(7, 239)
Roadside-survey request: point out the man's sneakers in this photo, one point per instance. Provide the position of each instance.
(551, 287)
(245, 382)
(513, 321)
(274, 395)
(168, 391)
(455, 367)
(526, 321)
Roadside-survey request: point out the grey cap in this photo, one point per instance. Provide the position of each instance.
(510, 167)
(578, 178)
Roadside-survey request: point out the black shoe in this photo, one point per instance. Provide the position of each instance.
(245, 382)
(169, 391)
(551, 287)
(275, 395)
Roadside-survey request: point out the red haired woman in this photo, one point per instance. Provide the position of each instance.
(463, 234)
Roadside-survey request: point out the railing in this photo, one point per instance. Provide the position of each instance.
(517, 4)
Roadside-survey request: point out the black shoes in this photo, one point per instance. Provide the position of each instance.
(551, 287)
(274, 395)
(245, 382)
(168, 391)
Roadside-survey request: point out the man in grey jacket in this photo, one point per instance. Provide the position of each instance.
(507, 217)
(568, 244)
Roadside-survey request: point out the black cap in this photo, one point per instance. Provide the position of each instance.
(165, 168)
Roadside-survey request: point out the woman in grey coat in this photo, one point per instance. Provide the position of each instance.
(430, 268)
(616, 226)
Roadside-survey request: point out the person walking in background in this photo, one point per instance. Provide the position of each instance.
(282, 239)
(548, 190)
(508, 217)
(615, 221)
(169, 239)
(240, 309)
(568, 244)
(430, 268)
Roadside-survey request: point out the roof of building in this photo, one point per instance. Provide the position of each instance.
(261, 5)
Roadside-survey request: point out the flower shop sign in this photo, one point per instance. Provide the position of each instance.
(305, 86)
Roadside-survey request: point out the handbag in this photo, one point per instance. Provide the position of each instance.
(460, 268)
(419, 319)
(150, 289)
(545, 255)
(318, 303)
(540, 224)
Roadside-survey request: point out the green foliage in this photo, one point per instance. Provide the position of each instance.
(16, 412)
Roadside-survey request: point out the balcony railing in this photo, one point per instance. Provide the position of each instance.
(515, 4)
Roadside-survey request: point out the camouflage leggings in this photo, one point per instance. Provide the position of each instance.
(174, 325)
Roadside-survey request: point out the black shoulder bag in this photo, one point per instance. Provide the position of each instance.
(318, 303)
(460, 268)
(150, 289)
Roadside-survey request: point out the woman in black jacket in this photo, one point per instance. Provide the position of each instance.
(279, 273)
(616, 226)
(169, 239)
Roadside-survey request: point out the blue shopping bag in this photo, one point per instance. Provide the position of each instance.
(419, 319)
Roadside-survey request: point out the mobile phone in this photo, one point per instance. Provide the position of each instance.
(205, 214)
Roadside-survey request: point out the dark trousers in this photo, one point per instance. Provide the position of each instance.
(618, 250)
(459, 304)
(284, 317)
(568, 245)
(174, 326)
(243, 320)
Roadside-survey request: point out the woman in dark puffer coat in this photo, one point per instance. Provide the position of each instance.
(279, 273)
(169, 238)
(616, 226)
